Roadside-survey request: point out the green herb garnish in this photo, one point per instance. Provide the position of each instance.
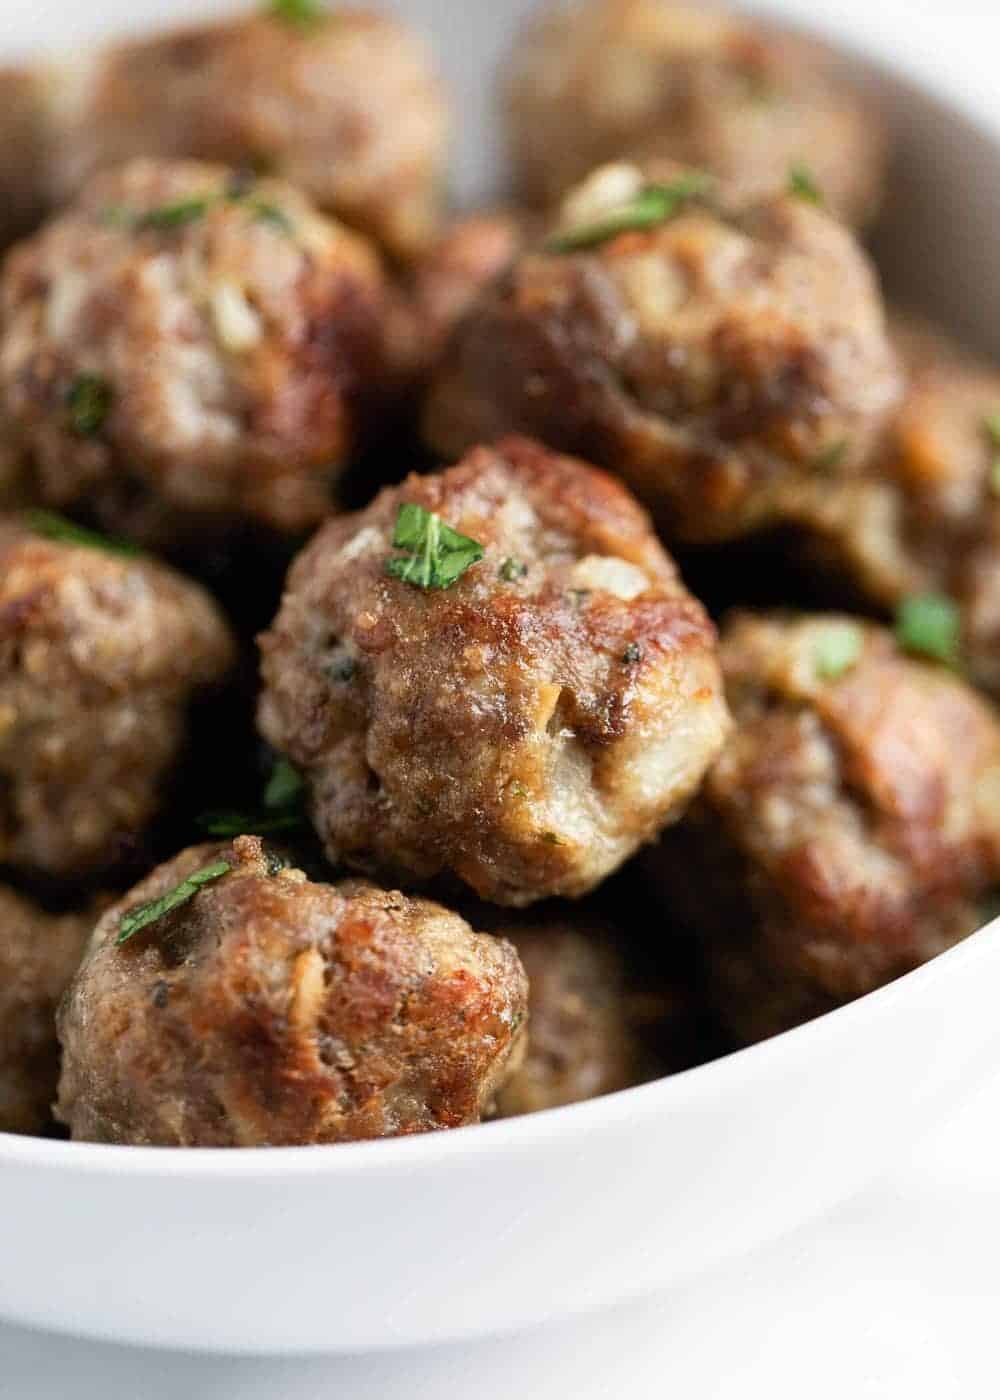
(89, 398)
(838, 651)
(930, 625)
(271, 214)
(302, 13)
(285, 786)
(50, 526)
(802, 184)
(512, 569)
(437, 556)
(145, 914)
(550, 838)
(283, 808)
(831, 456)
(632, 654)
(652, 206)
(168, 216)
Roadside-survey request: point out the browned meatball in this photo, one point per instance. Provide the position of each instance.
(38, 955)
(606, 79)
(183, 348)
(29, 144)
(526, 728)
(348, 108)
(271, 1011)
(925, 518)
(709, 359)
(593, 1029)
(100, 656)
(851, 829)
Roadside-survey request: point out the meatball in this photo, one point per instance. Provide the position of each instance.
(525, 729)
(29, 145)
(270, 1011)
(607, 79)
(925, 517)
(187, 349)
(708, 358)
(593, 1030)
(101, 655)
(849, 832)
(347, 107)
(39, 953)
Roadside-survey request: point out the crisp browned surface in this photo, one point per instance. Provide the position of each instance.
(710, 362)
(27, 147)
(606, 79)
(849, 832)
(38, 955)
(100, 656)
(925, 517)
(242, 355)
(273, 1011)
(527, 735)
(351, 111)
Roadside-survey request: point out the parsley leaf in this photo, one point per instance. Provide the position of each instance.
(50, 526)
(802, 184)
(652, 206)
(828, 458)
(90, 398)
(283, 808)
(285, 786)
(135, 920)
(838, 650)
(302, 13)
(512, 569)
(168, 216)
(437, 556)
(929, 625)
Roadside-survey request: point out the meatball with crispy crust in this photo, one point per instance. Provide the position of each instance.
(39, 953)
(525, 727)
(347, 107)
(270, 1011)
(594, 1029)
(849, 832)
(101, 655)
(609, 79)
(925, 516)
(709, 359)
(188, 350)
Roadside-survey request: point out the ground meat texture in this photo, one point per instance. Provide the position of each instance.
(606, 79)
(849, 832)
(100, 657)
(185, 349)
(710, 360)
(39, 953)
(589, 1023)
(925, 517)
(270, 1011)
(526, 729)
(28, 143)
(349, 109)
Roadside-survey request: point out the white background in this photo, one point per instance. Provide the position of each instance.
(896, 1295)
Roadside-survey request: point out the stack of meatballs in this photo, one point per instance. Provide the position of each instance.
(367, 766)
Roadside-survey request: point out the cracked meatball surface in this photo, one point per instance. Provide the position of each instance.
(525, 729)
(348, 108)
(100, 657)
(39, 953)
(849, 832)
(605, 79)
(709, 360)
(186, 349)
(925, 516)
(271, 1011)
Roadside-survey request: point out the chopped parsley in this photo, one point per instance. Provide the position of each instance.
(271, 214)
(652, 206)
(285, 786)
(929, 625)
(831, 456)
(50, 526)
(135, 920)
(282, 809)
(301, 13)
(632, 654)
(89, 401)
(838, 650)
(176, 215)
(802, 184)
(512, 569)
(436, 555)
(550, 838)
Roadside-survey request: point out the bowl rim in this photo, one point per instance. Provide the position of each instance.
(862, 40)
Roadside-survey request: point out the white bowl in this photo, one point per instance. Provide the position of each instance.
(464, 1234)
